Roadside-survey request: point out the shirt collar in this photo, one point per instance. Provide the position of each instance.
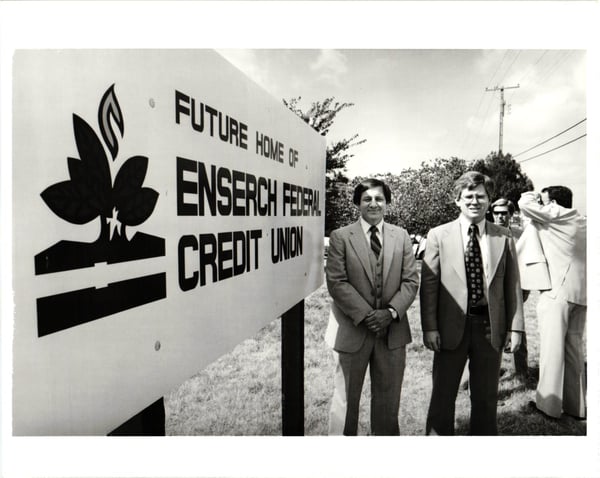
(366, 226)
(464, 223)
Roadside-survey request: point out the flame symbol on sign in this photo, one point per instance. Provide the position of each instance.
(109, 106)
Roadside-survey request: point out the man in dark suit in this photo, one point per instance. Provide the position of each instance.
(502, 211)
(373, 280)
(471, 307)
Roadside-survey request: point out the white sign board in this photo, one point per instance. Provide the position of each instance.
(165, 208)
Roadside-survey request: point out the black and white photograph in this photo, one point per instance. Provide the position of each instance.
(272, 239)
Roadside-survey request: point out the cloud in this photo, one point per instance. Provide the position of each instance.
(249, 63)
(330, 66)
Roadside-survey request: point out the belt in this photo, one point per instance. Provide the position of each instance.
(478, 310)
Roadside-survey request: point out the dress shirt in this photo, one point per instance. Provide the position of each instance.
(366, 226)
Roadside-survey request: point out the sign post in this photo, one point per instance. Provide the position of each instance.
(165, 208)
(149, 422)
(292, 370)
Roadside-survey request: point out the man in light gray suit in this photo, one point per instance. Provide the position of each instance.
(372, 279)
(562, 309)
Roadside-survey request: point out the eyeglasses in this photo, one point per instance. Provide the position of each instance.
(500, 213)
(478, 198)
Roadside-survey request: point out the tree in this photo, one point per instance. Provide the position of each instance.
(422, 198)
(321, 116)
(509, 180)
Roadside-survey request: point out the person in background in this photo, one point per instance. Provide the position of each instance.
(471, 307)
(562, 309)
(372, 278)
(543, 197)
(502, 212)
(421, 244)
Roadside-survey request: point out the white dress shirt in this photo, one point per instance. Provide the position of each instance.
(366, 226)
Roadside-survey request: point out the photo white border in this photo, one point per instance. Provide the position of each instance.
(272, 24)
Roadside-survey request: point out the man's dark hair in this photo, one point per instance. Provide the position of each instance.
(470, 180)
(368, 184)
(503, 202)
(561, 194)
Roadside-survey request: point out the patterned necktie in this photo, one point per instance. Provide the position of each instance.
(375, 244)
(474, 267)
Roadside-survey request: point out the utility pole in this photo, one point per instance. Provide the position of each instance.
(502, 104)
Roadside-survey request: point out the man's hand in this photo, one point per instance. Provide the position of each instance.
(378, 320)
(513, 342)
(432, 340)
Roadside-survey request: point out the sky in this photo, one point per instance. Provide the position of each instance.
(415, 105)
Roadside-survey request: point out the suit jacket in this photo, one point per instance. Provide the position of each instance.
(533, 268)
(350, 283)
(562, 233)
(444, 285)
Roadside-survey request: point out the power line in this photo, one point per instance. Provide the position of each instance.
(555, 66)
(553, 149)
(499, 66)
(536, 62)
(484, 120)
(483, 123)
(510, 66)
(529, 72)
(466, 135)
(555, 136)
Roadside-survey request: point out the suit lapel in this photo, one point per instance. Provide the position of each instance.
(389, 242)
(359, 243)
(456, 250)
(496, 248)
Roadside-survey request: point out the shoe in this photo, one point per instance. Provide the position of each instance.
(532, 407)
(575, 417)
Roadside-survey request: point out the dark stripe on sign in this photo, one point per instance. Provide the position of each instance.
(62, 311)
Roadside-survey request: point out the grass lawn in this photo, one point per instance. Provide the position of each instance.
(240, 394)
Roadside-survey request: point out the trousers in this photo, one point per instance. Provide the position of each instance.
(520, 358)
(562, 383)
(484, 373)
(386, 368)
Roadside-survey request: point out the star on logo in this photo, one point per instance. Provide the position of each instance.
(113, 223)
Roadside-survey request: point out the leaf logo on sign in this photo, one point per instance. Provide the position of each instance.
(89, 194)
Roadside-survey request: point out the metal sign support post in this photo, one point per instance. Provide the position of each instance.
(149, 422)
(292, 370)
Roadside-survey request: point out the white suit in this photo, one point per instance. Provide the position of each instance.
(561, 309)
(533, 267)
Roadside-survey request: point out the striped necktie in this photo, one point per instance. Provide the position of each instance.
(375, 243)
(474, 267)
